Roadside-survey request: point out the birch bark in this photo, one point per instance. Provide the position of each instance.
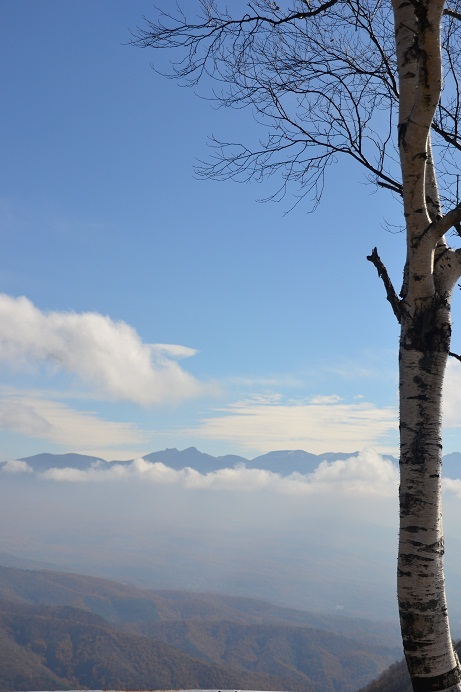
(432, 269)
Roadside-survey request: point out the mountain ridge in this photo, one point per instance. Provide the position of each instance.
(283, 462)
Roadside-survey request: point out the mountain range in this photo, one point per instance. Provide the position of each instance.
(283, 462)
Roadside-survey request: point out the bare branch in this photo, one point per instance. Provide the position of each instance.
(327, 70)
(452, 13)
(450, 220)
(392, 297)
(310, 79)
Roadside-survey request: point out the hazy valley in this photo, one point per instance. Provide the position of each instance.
(59, 630)
(317, 533)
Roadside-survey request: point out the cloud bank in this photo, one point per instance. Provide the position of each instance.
(108, 356)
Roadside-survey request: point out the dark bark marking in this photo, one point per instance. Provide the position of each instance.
(437, 683)
(417, 379)
(410, 504)
(402, 573)
(401, 133)
(412, 560)
(429, 332)
(413, 618)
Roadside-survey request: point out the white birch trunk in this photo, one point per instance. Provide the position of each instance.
(426, 636)
(424, 348)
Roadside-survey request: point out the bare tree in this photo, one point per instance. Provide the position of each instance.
(377, 82)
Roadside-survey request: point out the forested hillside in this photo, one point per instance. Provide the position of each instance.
(61, 631)
(395, 679)
(61, 647)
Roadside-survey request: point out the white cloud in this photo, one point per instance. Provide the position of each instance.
(16, 466)
(26, 416)
(452, 395)
(323, 424)
(175, 351)
(328, 399)
(452, 486)
(58, 423)
(109, 356)
(367, 474)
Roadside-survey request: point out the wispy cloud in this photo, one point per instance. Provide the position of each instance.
(369, 367)
(108, 356)
(366, 474)
(61, 424)
(322, 424)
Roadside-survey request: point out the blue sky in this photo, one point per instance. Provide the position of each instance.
(143, 308)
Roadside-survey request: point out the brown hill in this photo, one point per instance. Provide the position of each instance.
(120, 603)
(393, 679)
(62, 647)
(238, 636)
(298, 654)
